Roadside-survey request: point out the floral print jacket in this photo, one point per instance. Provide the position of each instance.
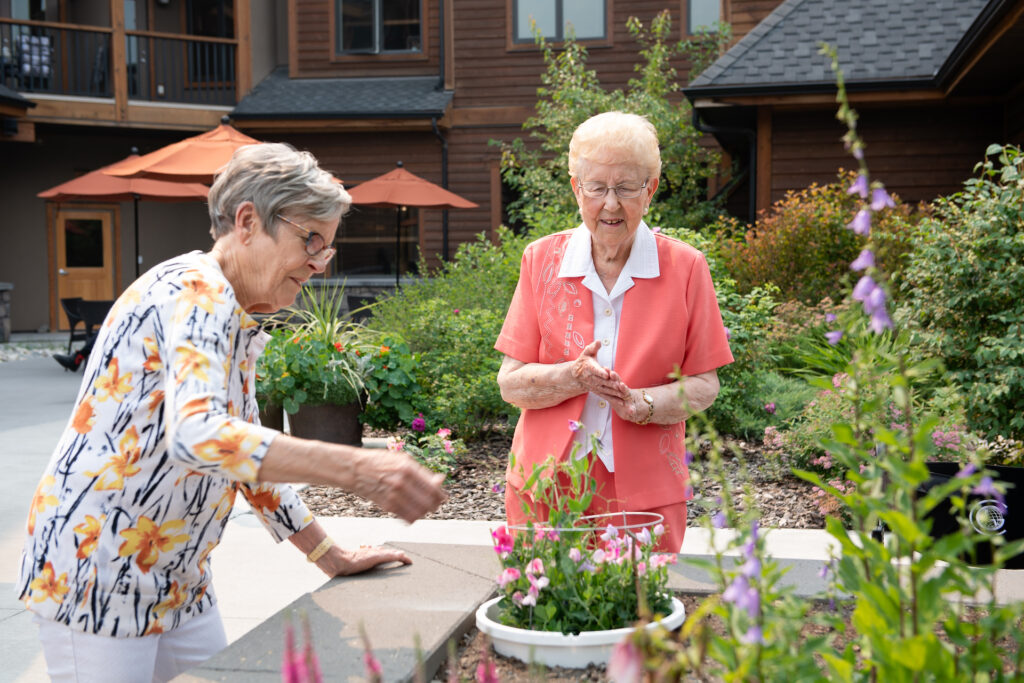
(163, 435)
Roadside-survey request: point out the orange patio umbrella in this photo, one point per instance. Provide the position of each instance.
(400, 188)
(195, 159)
(98, 186)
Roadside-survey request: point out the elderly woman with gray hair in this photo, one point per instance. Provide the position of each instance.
(602, 317)
(165, 433)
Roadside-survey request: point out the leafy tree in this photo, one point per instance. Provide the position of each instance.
(571, 93)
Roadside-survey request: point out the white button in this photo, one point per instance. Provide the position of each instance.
(607, 311)
(606, 342)
(602, 404)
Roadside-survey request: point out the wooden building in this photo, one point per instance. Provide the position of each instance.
(934, 82)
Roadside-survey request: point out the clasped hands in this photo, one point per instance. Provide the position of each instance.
(594, 377)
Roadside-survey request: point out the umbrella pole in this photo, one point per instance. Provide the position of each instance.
(398, 243)
(135, 201)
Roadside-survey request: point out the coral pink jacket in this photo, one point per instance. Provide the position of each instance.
(667, 322)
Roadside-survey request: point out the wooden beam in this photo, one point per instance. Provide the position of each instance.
(13, 110)
(243, 60)
(764, 159)
(119, 60)
(449, 44)
(331, 125)
(492, 233)
(26, 133)
(293, 39)
(1008, 22)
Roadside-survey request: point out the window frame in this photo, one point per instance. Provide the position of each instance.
(685, 11)
(344, 56)
(513, 44)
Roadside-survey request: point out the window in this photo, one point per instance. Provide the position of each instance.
(558, 18)
(377, 26)
(371, 240)
(702, 14)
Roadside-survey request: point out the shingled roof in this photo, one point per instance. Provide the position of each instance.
(14, 98)
(880, 43)
(278, 96)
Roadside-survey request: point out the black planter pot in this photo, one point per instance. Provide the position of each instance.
(332, 423)
(272, 416)
(1007, 522)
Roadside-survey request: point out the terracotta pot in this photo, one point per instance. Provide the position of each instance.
(333, 423)
(551, 648)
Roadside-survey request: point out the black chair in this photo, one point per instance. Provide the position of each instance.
(94, 313)
(71, 306)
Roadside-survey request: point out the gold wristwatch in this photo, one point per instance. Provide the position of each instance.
(650, 406)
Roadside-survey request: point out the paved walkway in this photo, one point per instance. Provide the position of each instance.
(256, 580)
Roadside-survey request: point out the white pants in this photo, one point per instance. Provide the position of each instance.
(78, 657)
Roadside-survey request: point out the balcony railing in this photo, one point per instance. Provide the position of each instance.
(63, 59)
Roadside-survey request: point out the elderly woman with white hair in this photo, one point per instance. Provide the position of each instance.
(165, 433)
(602, 316)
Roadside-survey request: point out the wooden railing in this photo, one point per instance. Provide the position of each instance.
(70, 59)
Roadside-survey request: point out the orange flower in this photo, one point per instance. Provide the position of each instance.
(174, 600)
(120, 465)
(338, 346)
(195, 406)
(197, 293)
(49, 585)
(385, 349)
(190, 361)
(90, 530)
(149, 540)
(263, 499)
(155, 399)
(41, 500)
(112, 385)
(233, 450)
(153, 360)
(84, 418)
(225, 503)
(154, 628)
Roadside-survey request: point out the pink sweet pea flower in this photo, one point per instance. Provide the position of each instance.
(626, 664)
(444, 432)
(659, 529)
(644, 537)
(510, 575)
(575, 555)
(536, 566)
(610, 533)
(518, 598)
(503, 541)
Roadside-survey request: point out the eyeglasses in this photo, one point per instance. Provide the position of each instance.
(622, 191)
(316, 246)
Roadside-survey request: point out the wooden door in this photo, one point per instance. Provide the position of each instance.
(85, 256)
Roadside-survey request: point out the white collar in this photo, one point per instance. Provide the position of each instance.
(642, 262)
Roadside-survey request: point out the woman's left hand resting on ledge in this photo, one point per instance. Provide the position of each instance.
(338, 561)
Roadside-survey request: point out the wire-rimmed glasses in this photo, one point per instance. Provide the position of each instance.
(596, 190)
(316, 245)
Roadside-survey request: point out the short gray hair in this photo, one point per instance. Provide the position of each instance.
(275, 177)
(615, 137)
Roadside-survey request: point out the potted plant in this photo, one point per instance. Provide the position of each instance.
(572, 586)
(314, 366)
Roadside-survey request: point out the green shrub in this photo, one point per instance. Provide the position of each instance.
(393, 392)
(964, 286)
(802, 245)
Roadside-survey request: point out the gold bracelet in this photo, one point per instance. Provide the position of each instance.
(321, 549)
(650, 406)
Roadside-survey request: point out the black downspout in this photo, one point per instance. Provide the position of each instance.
(444, 184)
(751, 136)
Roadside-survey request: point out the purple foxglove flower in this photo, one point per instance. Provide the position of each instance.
(688, 457)
(968, 469)
(865, 260)
(626, 664)
(743, 595)
(753, 635)
(858, 154)
(860, 186)
(875, 301)
(863, 289)
(861, 223)
(830, 317)
(823, 572)
(880, 320)
(834, 336)
(751, 568)
(719, 521)
(755, 529)
(986, 487)
(880, 199)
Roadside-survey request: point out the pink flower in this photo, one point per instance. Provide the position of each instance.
(641, 568)
(444, 432)
(529, 600)
(609, 533)
(598, 556)
(575, 555)
(626, 664)
(503, 542)
(575, 425)
(659, 529)
(644, 537)
(536, 566)
(394, 445)
(486, 671)
(510, 575)
(519, 599)
(447, 446)
(769, 408)
(419, 424)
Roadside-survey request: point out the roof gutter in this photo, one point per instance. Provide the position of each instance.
(988, 16)
(828, 87)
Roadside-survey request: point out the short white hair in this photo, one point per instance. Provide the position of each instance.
(615, 137)
(275, 177)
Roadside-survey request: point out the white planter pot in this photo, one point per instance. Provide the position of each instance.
(556, 649)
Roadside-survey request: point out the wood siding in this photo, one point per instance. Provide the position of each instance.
(918, 152)
(744, 15)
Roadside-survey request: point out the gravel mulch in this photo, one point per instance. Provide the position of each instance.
(475, 491)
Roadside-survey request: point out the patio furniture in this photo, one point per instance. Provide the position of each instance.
(70, 306)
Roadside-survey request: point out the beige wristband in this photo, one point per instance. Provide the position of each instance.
(321, 549)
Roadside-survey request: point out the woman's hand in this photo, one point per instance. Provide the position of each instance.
(341, 562)
(631, 408)
(594, 377)
(398, 484)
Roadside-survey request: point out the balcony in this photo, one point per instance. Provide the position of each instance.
(42, 57)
